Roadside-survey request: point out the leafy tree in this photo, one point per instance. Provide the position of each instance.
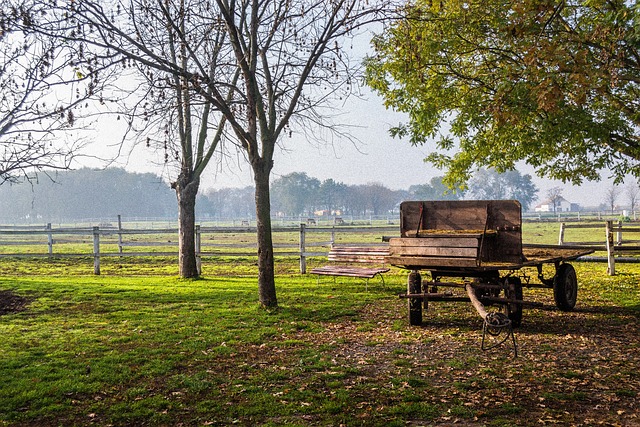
(372, 198)
(488, 184)
(295, 193)
(333, 195)
(435, 190)
(231, 202)
(551, 83)
(380, 198)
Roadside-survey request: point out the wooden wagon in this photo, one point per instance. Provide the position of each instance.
(476, 245)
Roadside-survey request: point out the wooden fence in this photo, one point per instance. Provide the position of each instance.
(614, 244)
(108, 241)
(301, 242)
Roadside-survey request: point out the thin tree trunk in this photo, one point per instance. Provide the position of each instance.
(186, 192)
(266, 279)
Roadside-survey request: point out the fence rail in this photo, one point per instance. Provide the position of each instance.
(302, 241)
(99, 242)
(613, 244)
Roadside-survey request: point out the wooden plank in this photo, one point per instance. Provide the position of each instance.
(450, 241)
(451, 247)
(426, 251)
(354, 254)
(361, 253)
(460, 214)
(457, 215)
(356, 258)
(355, 249)
(543, 254)
(435, 262)
(348, 271)
(358, 254)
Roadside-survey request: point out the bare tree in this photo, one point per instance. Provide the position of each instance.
(42, 93)
(172, 111)
(277, 65)
(611, 196)
(164, 104)
(554, 195)
(632, 192)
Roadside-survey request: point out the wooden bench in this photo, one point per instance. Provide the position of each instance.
(348, 255)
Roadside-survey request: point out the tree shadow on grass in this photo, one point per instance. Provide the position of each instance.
(11, 303)
(584, 320)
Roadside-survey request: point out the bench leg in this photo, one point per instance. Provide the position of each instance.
(384, 285)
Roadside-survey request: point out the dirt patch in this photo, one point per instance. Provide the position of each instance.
(11, 303)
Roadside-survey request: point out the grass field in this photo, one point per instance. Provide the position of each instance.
(137, 346)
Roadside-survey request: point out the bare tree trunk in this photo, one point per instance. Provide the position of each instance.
(186, 192)
(266, 279)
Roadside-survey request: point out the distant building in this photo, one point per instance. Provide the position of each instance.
(562, 205)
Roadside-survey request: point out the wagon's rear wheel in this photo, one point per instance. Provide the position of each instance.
(414, 286)
(565, 287)
(513, 290)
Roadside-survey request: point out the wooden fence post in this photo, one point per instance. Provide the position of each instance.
(120, 234)
(303, 258)
(619, 239)
(561, 235)
(96, 251)
(49, 239)
(611, 269)
(198, 250)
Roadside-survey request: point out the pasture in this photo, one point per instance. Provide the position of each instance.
(137, 346)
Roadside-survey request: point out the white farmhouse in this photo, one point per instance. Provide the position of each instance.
(562, 205)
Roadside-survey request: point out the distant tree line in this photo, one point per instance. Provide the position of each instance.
(297, 194)
(90, 193)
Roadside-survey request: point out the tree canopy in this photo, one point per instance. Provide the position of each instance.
(435, 190)
(487, 184)
(553, 83)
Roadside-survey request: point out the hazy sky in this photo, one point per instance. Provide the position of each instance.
(377, 158)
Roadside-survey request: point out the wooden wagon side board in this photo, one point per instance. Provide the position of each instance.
(460, 232)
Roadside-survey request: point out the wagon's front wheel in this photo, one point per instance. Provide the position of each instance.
(513, 290)
(565, 287)
(414, 286)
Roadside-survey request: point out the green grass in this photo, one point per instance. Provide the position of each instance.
(138, 346)
(134, 348)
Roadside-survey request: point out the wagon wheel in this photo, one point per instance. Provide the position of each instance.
(513, 290)
(565, 287)
(414, 286)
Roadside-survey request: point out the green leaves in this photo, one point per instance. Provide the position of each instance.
(552, 83)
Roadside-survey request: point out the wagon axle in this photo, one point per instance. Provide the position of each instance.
(419, 294)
